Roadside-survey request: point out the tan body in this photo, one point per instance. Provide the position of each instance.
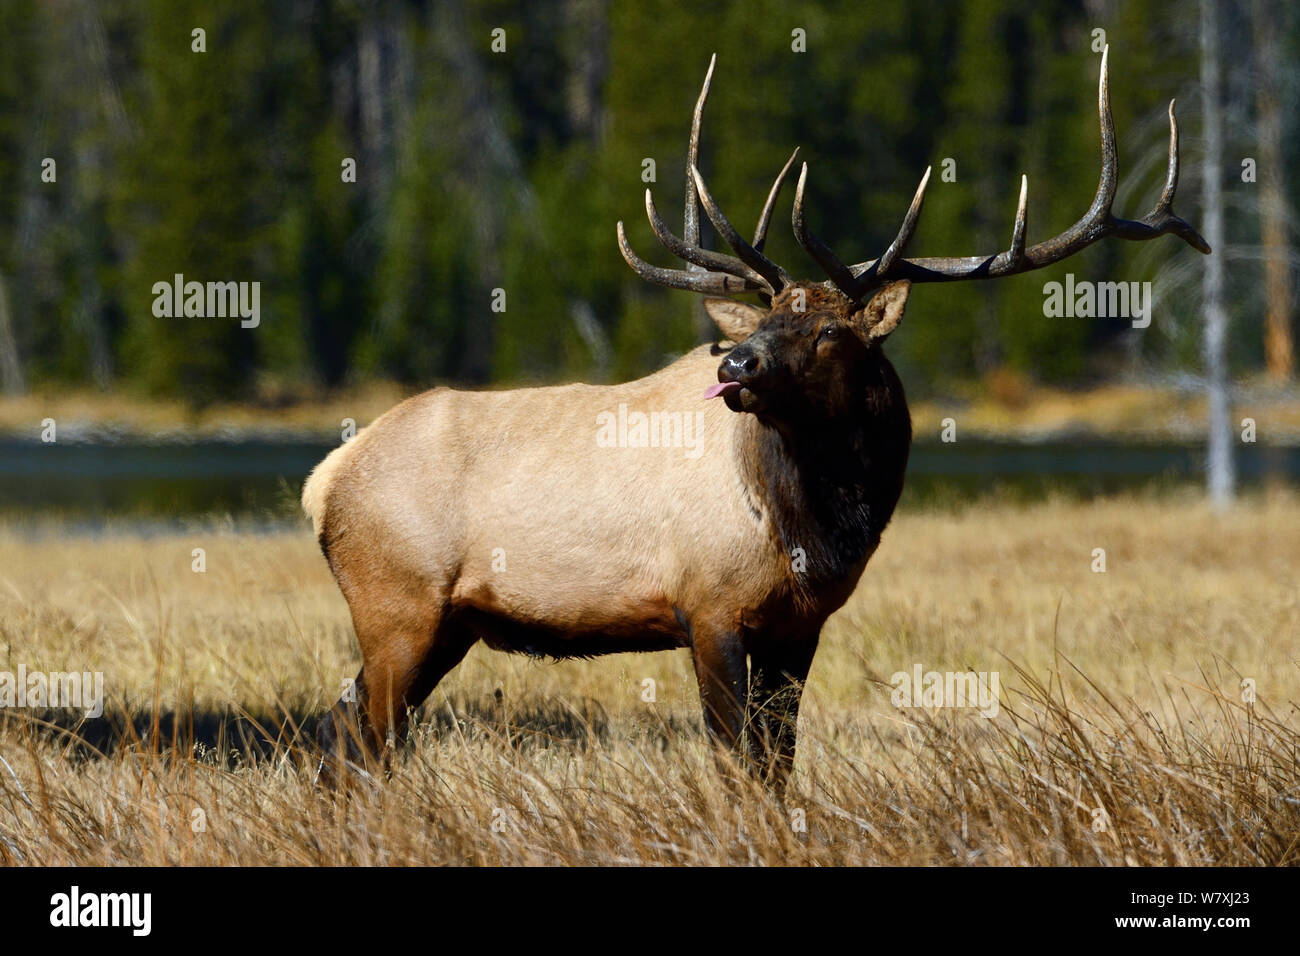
(503, 502)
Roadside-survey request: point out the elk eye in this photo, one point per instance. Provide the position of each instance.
(829, 334)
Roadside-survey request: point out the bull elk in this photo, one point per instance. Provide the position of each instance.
(460, 516)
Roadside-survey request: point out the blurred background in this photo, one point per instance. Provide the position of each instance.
(479, 170)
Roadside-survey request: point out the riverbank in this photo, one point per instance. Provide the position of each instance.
(1004, 409)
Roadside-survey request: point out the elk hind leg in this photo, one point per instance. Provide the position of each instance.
(405, 654)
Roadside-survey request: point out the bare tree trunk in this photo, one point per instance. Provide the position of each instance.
(12, 380)
(90, 319)
(587, 37)
(496, 178)
(1279, 354)
(90, 161)
(1220, 477)
(593, 336)
(587, 30)
(371, 54)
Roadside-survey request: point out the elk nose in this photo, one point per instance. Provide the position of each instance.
(741, 363)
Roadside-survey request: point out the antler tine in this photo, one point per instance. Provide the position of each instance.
(691, 226)
(1162, 216)
(776, 277)
(1099, 212)
(1099, 221)
(705, 258)
(886, 262)
(717, 283)
(872, 273)
(1166, 202)
(1017, 252)
(760, 231)
(1171, 177)
(839, 273)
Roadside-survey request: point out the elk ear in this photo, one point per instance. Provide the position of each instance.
(881, 315)
(736, 319)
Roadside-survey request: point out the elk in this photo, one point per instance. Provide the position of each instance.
(461, 516)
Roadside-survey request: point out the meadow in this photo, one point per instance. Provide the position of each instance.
(1147, 713)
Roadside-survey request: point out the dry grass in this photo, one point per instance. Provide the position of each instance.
(1121, 705)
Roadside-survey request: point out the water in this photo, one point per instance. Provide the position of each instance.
(256, 479)
(1083, 468)
(259, 480)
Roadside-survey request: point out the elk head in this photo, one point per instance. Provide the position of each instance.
(813, 344)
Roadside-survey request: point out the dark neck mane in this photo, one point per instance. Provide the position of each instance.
(830, 486)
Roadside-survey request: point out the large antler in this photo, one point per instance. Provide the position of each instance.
(750, 271)
(1098, 223)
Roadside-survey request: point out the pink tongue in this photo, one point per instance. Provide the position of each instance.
(713, 391)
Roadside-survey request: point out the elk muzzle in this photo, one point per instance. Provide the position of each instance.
(738, 378)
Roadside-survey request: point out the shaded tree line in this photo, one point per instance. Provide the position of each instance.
(495, 145)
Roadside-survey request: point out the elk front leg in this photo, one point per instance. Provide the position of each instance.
(721, 672)
(776, 678)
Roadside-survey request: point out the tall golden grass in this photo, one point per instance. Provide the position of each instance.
(1125, 735)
